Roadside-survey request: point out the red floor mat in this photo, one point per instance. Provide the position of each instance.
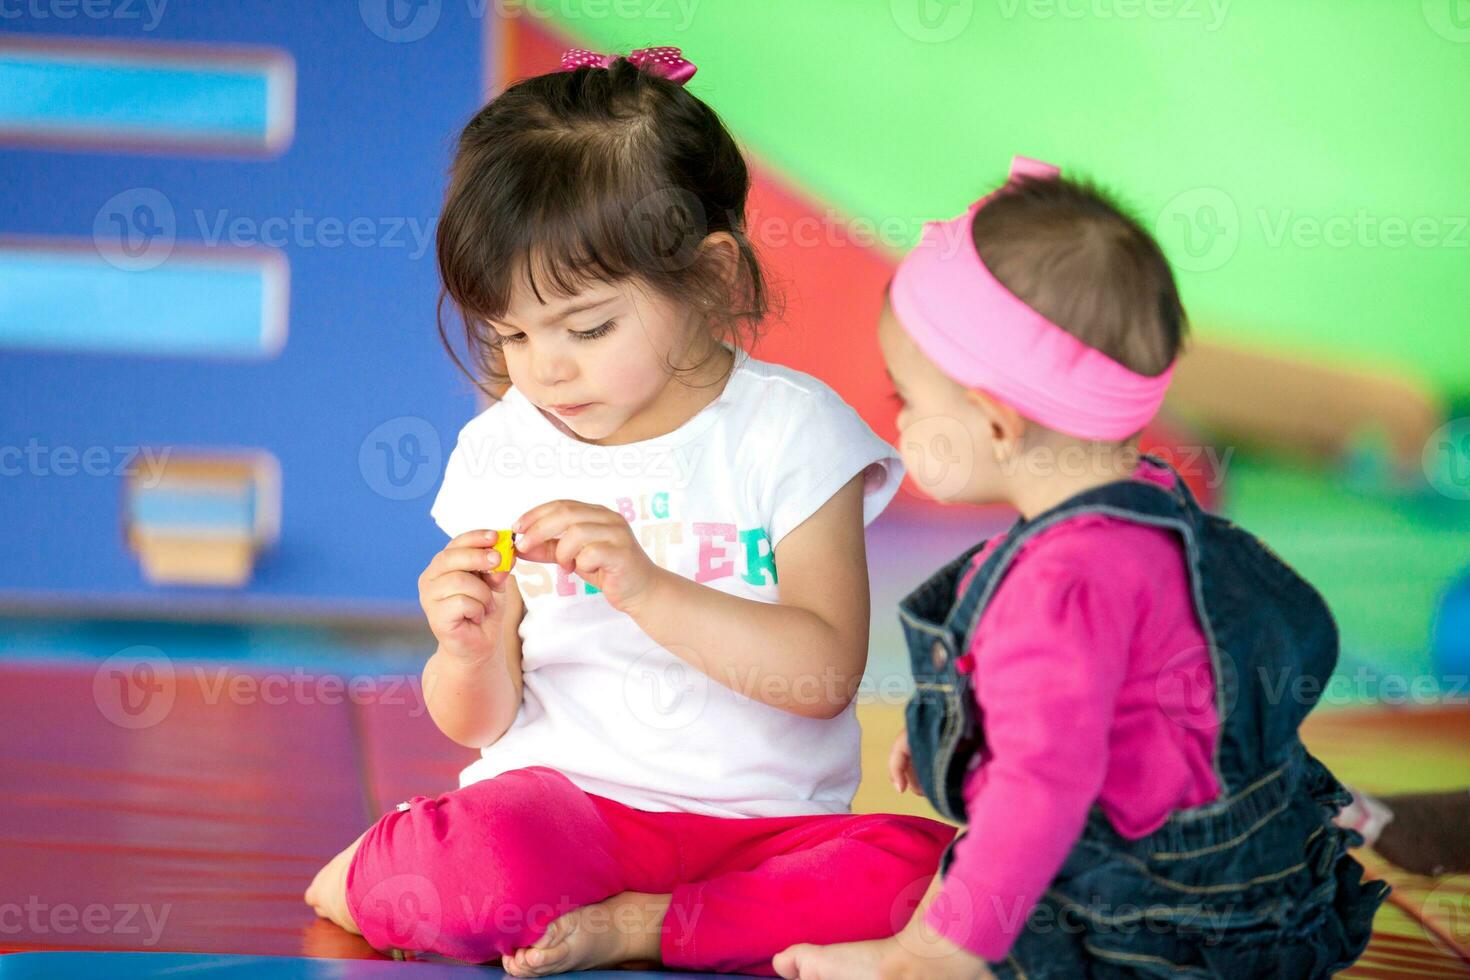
(186, 808)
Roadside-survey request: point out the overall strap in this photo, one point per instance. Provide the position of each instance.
(1139, 501)
(1128, 499)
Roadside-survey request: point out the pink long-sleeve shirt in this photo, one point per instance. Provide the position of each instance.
(1094, 684)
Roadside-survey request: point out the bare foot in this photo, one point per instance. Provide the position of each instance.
(327, 893)
(623, 929)
(843, 961)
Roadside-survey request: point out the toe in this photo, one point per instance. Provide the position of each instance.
(786, 963)
(551, 937)
(549, 957)
(525, 964)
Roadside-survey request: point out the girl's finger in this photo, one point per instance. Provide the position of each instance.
(450, 612)
(912, 778)
(592, 559)
(543, 552)
(554, 550)
(898, 754)
(479, 538)
(527, 522)
(462, 583)
(524, 522)
(559, 516)
(578, 537)
(462, 559)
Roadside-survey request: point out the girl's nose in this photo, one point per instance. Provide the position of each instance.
(551, 367)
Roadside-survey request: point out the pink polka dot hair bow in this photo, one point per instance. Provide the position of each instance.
(666, 62)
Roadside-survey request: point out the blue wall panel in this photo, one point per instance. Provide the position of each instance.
(351, 204)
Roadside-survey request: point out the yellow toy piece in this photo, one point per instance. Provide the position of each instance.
(505, 544)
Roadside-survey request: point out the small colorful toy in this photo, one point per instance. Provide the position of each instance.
(505, 544)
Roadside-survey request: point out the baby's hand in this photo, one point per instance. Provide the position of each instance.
(592, 541)
(901, 766)
(463, 599)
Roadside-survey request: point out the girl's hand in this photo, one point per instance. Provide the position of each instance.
(594, 542)
(901, 766)
(463, 600)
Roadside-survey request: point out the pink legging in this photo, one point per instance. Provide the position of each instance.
(481, 871)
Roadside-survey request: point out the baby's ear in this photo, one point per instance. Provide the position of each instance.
(1007, 426)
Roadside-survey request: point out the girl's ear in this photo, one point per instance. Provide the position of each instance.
(721, 248)
(1007, 426)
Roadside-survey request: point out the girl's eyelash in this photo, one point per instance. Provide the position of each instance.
(593, 334)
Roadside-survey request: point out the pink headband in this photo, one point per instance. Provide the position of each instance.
(666, 62)
(979, 333)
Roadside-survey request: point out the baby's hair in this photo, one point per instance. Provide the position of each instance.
(596, 174)
(1075, 256)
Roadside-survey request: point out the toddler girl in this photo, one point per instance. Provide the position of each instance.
(662, 691)
(1108, 694)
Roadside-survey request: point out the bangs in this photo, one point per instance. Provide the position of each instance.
(573, 220)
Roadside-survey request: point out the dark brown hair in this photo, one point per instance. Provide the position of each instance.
(1077, 258)
(597, 174)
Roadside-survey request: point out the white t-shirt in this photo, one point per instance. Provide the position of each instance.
(619, 715)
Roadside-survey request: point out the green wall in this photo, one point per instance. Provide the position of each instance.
(1286, 117)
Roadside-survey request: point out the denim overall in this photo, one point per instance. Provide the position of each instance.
(1257, 884)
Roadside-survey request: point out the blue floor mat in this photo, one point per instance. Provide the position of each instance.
(128, 966)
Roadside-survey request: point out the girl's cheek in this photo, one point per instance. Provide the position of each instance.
(629, 379)
(511, 359)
